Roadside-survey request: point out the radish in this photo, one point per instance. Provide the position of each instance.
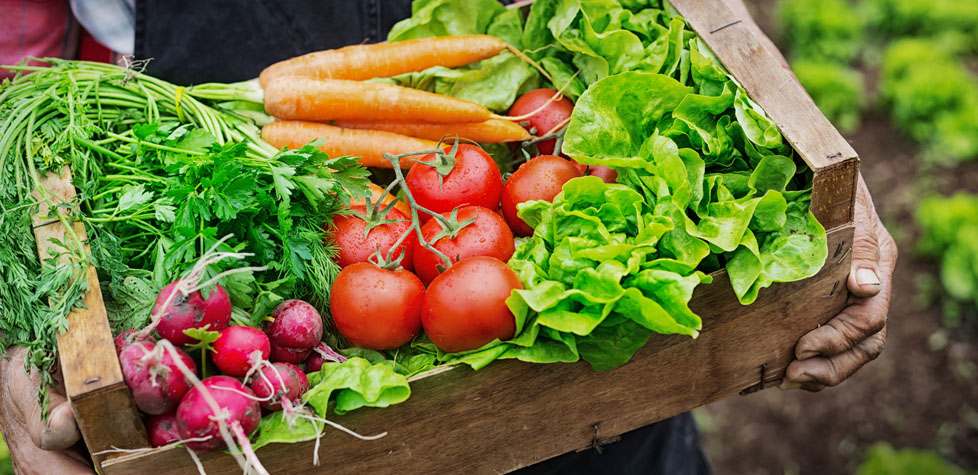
(122, 340)
(321, 355)
(278, 381)
(297, 327)
(178, 311)
(156, 384)
(162, 429)
(196, 418)
(240, 348)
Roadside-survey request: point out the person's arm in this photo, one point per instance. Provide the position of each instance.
(36, 447)
(833, 352)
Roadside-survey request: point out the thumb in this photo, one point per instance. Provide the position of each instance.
(864, 279)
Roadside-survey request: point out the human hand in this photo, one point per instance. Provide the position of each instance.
(36, 447)
(832, 352)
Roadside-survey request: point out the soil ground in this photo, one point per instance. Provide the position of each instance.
(923, 390)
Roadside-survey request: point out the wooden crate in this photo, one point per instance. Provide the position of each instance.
(513, 414)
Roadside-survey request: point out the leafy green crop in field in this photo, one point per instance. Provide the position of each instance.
(837, 89)
(882, 459)
(949, 228)
(932, 97)
(821, 29)
(895, 18)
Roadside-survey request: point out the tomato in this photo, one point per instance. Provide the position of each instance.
(354, 247)
(465, 307)
(488, 235)
(375, 193)
(541, 178)
(606, 174)
(376, 308)
(475, 181)
(547, 119)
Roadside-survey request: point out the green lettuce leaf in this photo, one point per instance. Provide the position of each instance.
(353, 384)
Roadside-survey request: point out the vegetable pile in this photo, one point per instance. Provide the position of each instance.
(550, 190)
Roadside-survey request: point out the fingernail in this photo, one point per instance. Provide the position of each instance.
(806, 354)
(804, 378)
(867, 277)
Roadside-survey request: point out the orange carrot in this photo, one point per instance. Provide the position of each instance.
(339, 99)
(490, 131)
(387, 59)
(375, 194)
(369, 145)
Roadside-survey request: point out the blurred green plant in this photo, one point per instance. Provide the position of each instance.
(933, 96)
(949, 227)
(837, 89)
(823, 38)
(882, 459)
(895, 18)
(821, 29)
(6, 466)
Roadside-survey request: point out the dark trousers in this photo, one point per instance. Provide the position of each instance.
(670, 447)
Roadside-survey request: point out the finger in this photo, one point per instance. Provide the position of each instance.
(60, 431)
(27, 458)
(864, 275)
(817, 373)
(852, 325)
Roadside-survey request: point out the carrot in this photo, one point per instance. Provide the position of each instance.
(375, 193)
(369, 145)
(490, 131)
(329, 99)
(361, 62)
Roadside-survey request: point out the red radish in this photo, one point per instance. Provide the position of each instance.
(162, 429)
(606, 174)
(121, 340)
(279, 381)
(547, 119)
(190, 311)
(156, 384)
(297, 327)
(239, 348)
(541, 178)
(196, 418)
(321, 355)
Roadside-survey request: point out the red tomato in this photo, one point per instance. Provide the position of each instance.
(541, 178)
(487, 236)
(474, 181)
(465, 307)
(376, 308)
(606, 174)
(547, 119)
(354, 247)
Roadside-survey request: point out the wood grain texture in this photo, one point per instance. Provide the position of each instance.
(512, 414)
(93, 381)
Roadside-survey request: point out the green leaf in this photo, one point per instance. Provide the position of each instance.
(278, 428)
(353, 384)
(134, 196)
(446, 17)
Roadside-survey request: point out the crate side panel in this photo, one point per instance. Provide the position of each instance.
(512, 414)
(86, 351)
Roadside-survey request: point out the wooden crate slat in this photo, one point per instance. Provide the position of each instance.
(100, 399)
(512, 414)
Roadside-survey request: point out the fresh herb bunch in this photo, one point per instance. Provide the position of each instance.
(161, 176)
